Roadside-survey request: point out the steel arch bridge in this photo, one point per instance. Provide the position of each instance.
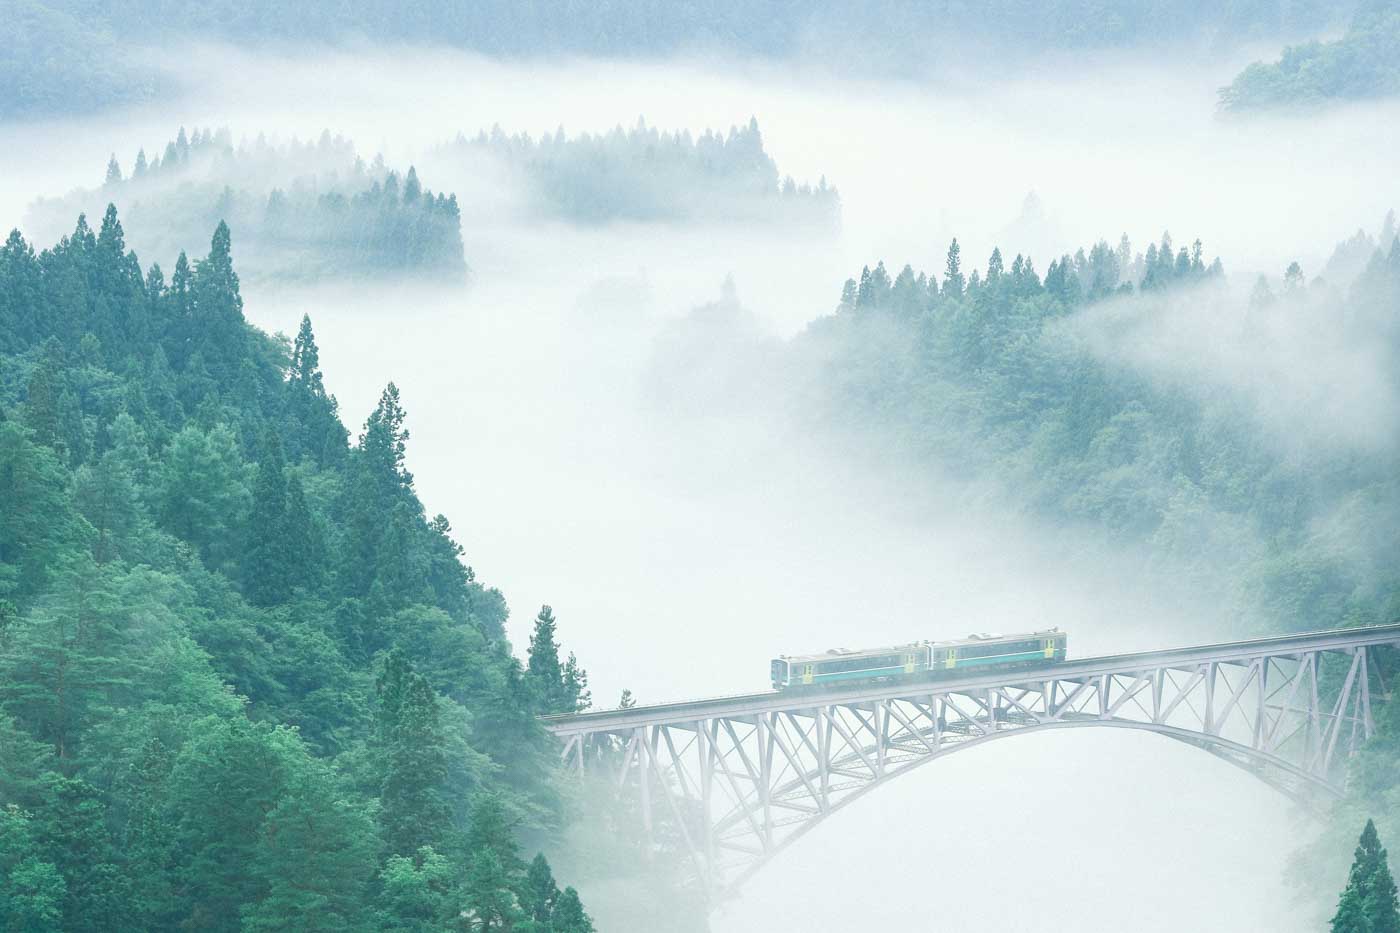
(738, 779)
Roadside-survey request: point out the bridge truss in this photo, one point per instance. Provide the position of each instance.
(736, 780)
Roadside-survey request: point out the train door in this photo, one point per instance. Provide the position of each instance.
(806, 673)
(910, 660)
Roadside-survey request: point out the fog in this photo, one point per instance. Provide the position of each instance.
(683, 543)
(1312, 376)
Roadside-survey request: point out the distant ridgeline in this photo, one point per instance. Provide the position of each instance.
(644, 174)
(302, 210)
(46, 40)
(1363, 64)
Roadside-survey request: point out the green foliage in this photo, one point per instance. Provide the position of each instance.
(1368, 903)
(32, 890)
(557, 688)
(646, 175)
(245, 683)
(490, 902)
(569, 916)
(414, 813)
(1011, 384)
(540, 894)
(303, 210)
(419, 892)
(1364, 63)
(315, 855)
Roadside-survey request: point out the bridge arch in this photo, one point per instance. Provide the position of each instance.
(1306, 790)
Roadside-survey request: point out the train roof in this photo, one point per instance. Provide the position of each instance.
(981, 637)
(973, 639)
(851, 652)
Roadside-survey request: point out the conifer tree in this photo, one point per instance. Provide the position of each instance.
(32, 890)
(577, 696)
(953, 281)
(414, 812)
(569, 916)
(114, 171)
(491, 903)
(266, 564)
(540, 892)
(493, 828)
(75, 835)
(1368, 903)
(543, 671)
(219, 330)
(304, 544)
(995, 266)
(315, 853)
(322, 437)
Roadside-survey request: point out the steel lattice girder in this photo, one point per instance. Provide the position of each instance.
(747, 776)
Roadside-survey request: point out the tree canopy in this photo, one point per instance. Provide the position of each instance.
(246, 683)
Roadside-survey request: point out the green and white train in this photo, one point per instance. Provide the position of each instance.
(920, 659)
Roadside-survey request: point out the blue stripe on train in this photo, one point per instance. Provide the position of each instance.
(1001, 659)
(796, 678)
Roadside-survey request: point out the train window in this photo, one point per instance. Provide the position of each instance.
(999, 649)
(846, 665)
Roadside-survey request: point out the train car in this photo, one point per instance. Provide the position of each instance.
(989, 650)
(920, 659)
(845, 666)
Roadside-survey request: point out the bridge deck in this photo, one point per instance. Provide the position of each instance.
(618, 720)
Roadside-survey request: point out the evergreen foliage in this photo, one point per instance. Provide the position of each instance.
(1006, 384)
(245, 683)
(302, 209)
(643, 174)
(1363, 63)
(1368, 903)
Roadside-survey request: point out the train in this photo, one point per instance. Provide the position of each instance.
(924, 659)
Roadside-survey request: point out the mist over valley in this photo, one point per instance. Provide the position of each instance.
(721, 345)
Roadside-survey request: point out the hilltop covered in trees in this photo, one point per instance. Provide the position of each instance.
(1362, 64)
(644, 174)
(1239, 441)
(246, 681)
(1235, 434)
(303, 210)
(1134, 395)
(1284, 508)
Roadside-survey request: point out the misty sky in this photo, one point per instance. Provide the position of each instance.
(681, 548)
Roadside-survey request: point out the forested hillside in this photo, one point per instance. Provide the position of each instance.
(246, 682)
(644, 174)
(304, 210)
(1128, 393)
(1362, 64)
(102, 39)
